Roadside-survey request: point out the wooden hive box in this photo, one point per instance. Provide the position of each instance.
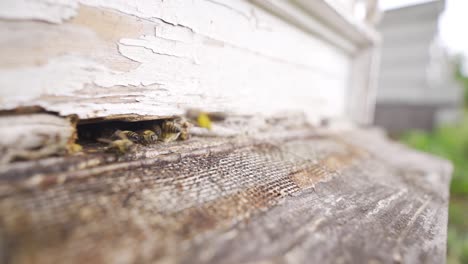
(284, 175)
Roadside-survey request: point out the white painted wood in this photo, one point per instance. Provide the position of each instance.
(108, 58)
(55, 11)
(415, 68)
(31, 136)
(361, 96)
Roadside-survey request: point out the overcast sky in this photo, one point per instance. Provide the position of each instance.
(453, 23)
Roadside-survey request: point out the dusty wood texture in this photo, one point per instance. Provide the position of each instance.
(32, 136)
(294, 197)
(112, 59)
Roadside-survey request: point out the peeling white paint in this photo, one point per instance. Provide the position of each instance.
(53, 11)
(227, 24)
(229, 56)
(60, 76)
(163, 46)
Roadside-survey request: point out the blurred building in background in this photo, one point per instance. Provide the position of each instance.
(417, 88)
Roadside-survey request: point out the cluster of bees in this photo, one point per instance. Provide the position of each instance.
(123, 140)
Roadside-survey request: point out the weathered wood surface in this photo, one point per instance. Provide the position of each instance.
(110, 59)
(32, 136)
(294, 197)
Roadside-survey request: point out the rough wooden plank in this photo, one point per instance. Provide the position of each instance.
(32, 136)
(321, 197)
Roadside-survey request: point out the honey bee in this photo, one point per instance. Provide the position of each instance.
(184, 134)
(148, 137)
(204, 120)
(74, 148)
(119, 146)
(170, 131)
(126, 134)
(157, 130)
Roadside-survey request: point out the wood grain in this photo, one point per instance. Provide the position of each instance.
(315, 197)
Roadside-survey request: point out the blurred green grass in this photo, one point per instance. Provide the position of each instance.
(451, 142)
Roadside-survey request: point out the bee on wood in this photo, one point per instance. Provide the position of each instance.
(184, 134)
(126, 134)
(74, 148)
(204, 120)
(157, 130)
(119, 146)
(148, 137)
(170, 131)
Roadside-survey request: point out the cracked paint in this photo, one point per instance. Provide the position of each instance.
(204, 54)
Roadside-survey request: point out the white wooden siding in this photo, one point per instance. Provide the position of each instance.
(409, 49)
(101, 58)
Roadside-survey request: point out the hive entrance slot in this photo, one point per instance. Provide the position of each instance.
(91, 132)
